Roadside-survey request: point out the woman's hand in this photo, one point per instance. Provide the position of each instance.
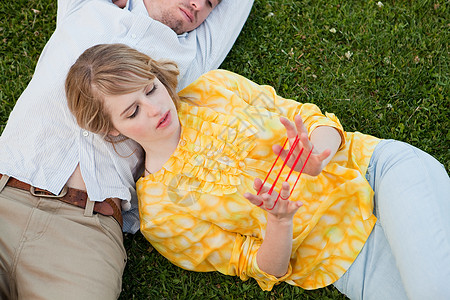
(275, 251)
(279, 208)
(317, 160)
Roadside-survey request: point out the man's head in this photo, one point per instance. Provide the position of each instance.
(180, 15)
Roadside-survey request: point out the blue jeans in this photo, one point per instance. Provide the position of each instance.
(407, 255)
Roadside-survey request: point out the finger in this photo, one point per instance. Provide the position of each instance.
(278, 150)
(268, 201)
(254, 199)
(258, 186)
(257, 183)
(298, 204)
(324, 155)
(300, 126)
(302, 132)
(285, 194)
(291, 130)
(305, 142)
(285, 191)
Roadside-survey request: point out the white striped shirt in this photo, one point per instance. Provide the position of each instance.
(42, 144)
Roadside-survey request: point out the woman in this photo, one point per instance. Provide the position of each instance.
(210, 145)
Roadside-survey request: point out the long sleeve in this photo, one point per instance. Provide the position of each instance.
(216, 36)
(221, 29)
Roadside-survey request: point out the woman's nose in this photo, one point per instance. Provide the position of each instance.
(153, 109)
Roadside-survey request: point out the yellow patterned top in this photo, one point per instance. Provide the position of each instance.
(193, 212)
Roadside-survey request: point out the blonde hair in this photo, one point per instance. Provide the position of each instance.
(108, 70)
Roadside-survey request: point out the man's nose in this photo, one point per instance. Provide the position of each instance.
(197, 4)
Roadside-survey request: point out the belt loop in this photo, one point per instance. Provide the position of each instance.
(3, 181)
(89, 209)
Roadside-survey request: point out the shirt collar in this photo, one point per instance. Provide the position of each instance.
(137, 7)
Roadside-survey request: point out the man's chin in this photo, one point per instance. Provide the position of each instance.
(179, 29)
(172, 23)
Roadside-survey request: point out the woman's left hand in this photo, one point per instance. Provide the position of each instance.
(317, 160)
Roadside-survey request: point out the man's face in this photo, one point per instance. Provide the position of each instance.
(180, 15)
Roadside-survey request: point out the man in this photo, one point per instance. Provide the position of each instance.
(50, 249)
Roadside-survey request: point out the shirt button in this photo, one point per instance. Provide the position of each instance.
(85, 133)
(183, 143)
(133, 36)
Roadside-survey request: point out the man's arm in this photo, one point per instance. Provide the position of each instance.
(64, 6)
(217, 34)
(224, 25)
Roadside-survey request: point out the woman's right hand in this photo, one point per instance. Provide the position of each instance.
(275, 251)
(279, 208)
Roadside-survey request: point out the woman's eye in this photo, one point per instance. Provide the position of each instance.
(152, 90)
(134, 114)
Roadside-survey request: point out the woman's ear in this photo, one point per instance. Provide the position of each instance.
(114, 132)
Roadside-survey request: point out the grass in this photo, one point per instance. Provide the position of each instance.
(382, 70)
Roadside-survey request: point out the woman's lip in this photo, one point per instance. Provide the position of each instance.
(187, 14)
(164, 121)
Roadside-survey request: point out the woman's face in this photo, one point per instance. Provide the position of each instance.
(148, 116)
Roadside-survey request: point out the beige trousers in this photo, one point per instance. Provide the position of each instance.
(51, 250)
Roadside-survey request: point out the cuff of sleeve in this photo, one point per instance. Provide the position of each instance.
(267, 281)
(331, 121)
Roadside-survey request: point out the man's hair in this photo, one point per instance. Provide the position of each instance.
(108, 70)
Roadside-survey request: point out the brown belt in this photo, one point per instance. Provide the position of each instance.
(72, 196)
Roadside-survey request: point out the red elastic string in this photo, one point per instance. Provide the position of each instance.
(301, 171)
(273, 165)
(295, 163)
(282, 167)
(284, 164)
(270, 171)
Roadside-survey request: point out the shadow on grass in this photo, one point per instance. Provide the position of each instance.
(148, 275)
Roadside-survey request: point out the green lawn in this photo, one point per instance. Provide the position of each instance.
(382, 69)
